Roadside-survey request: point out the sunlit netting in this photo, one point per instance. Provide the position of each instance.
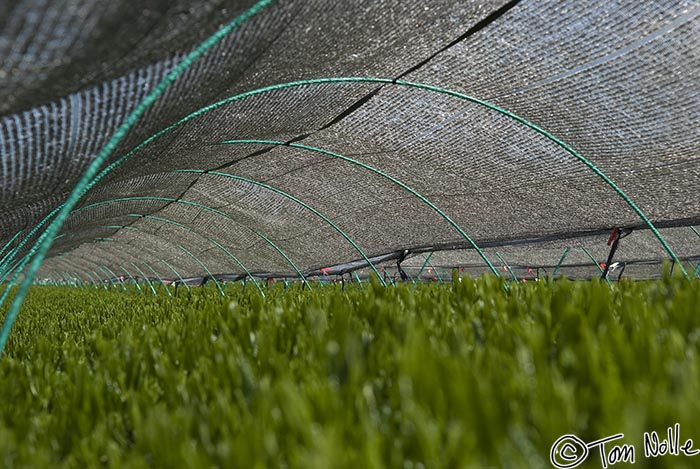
(265, 158)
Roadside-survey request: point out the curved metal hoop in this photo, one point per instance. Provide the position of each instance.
(6, 246)
(131, 228)
(211, 240)
(133, 280)
(207, 208)
(176, 273)
(174, 223)
(160, 279)
(296, 200)
(381, 174)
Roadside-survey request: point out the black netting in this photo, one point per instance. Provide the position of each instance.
(616, 81)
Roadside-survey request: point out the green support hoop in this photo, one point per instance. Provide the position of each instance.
(176, 273)
(71, 278)
(696, 272)
(63, 211)
(7, 245)
(145, 277)
(94, 281)
(427, 259)
(114, 275)
(69, 269)
(695, 231)
(437, 274)
(380, 173)
(203, 207)
(422, 86)
(600, 269)
(211, 240)
(89, 184)
(235, 259)
(26, 239)
(222, 248)
(512, 274)
(113, 258)
(83, 281)
(174, 223)
(75, 280)
(561, 261)
(132, 279)
(294, 199)
(301, 276)
(357, 277)
(8, 258)
(111, 282)
(160, 279)
(110, 275)
(204, 267)
(12, 268)
(210, 209)
(60, 280)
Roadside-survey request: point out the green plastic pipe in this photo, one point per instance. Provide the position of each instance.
(561, 261)
(294, 199)
(91, 176)
(7, 245)
(512, 274)
(211, 240)
(204, 267)
(437, 273)
(380, 173)
(176, 273)
(145, 277)
(160, 279)
(420, 272)
(600, 269)
(203, 207)
(132, 279)
(357, 277)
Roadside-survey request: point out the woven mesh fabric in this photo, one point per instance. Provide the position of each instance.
(615, 80)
